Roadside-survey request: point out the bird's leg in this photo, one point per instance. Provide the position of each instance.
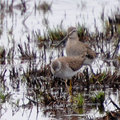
(66, 85)
(69, 89)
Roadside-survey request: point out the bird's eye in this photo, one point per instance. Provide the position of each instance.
(57, 69)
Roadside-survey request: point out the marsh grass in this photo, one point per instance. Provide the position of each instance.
(26, 52)
(78, 100)
(4, 96)
(41, 40)
(100, 78)
(2, 55)
(50, 37)
(56, 34)
(44, 6)
(98, 97)
(50, 92)
(83, 33)
(118, 58)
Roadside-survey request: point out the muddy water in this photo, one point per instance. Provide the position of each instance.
(18, 26)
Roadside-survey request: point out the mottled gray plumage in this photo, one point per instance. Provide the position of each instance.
(66, 67)
(74, 47)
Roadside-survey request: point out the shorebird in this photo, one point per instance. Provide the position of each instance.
(74, 47)
(66, 68)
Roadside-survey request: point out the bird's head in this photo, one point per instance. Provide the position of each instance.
(72, 32)
(55, 67)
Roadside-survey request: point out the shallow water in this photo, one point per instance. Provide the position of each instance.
(15, 29)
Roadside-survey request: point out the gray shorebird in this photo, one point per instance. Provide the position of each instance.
(66, 68)
(74, 47)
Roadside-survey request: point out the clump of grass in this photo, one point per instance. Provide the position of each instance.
(118, 29)
(98, 78)
(81, 31)
(78, 100)
(51, 36)
(98, 98)
(2, 52)
(112, 26)
(4, 96)
(45, 7)
(2, 55)
(102, 76)
(39, 37)
(107, 27)
(56, 34)
(118, 58)
(45, 98)
(26, 53)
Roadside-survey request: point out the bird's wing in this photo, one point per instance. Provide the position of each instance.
(75, 63)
